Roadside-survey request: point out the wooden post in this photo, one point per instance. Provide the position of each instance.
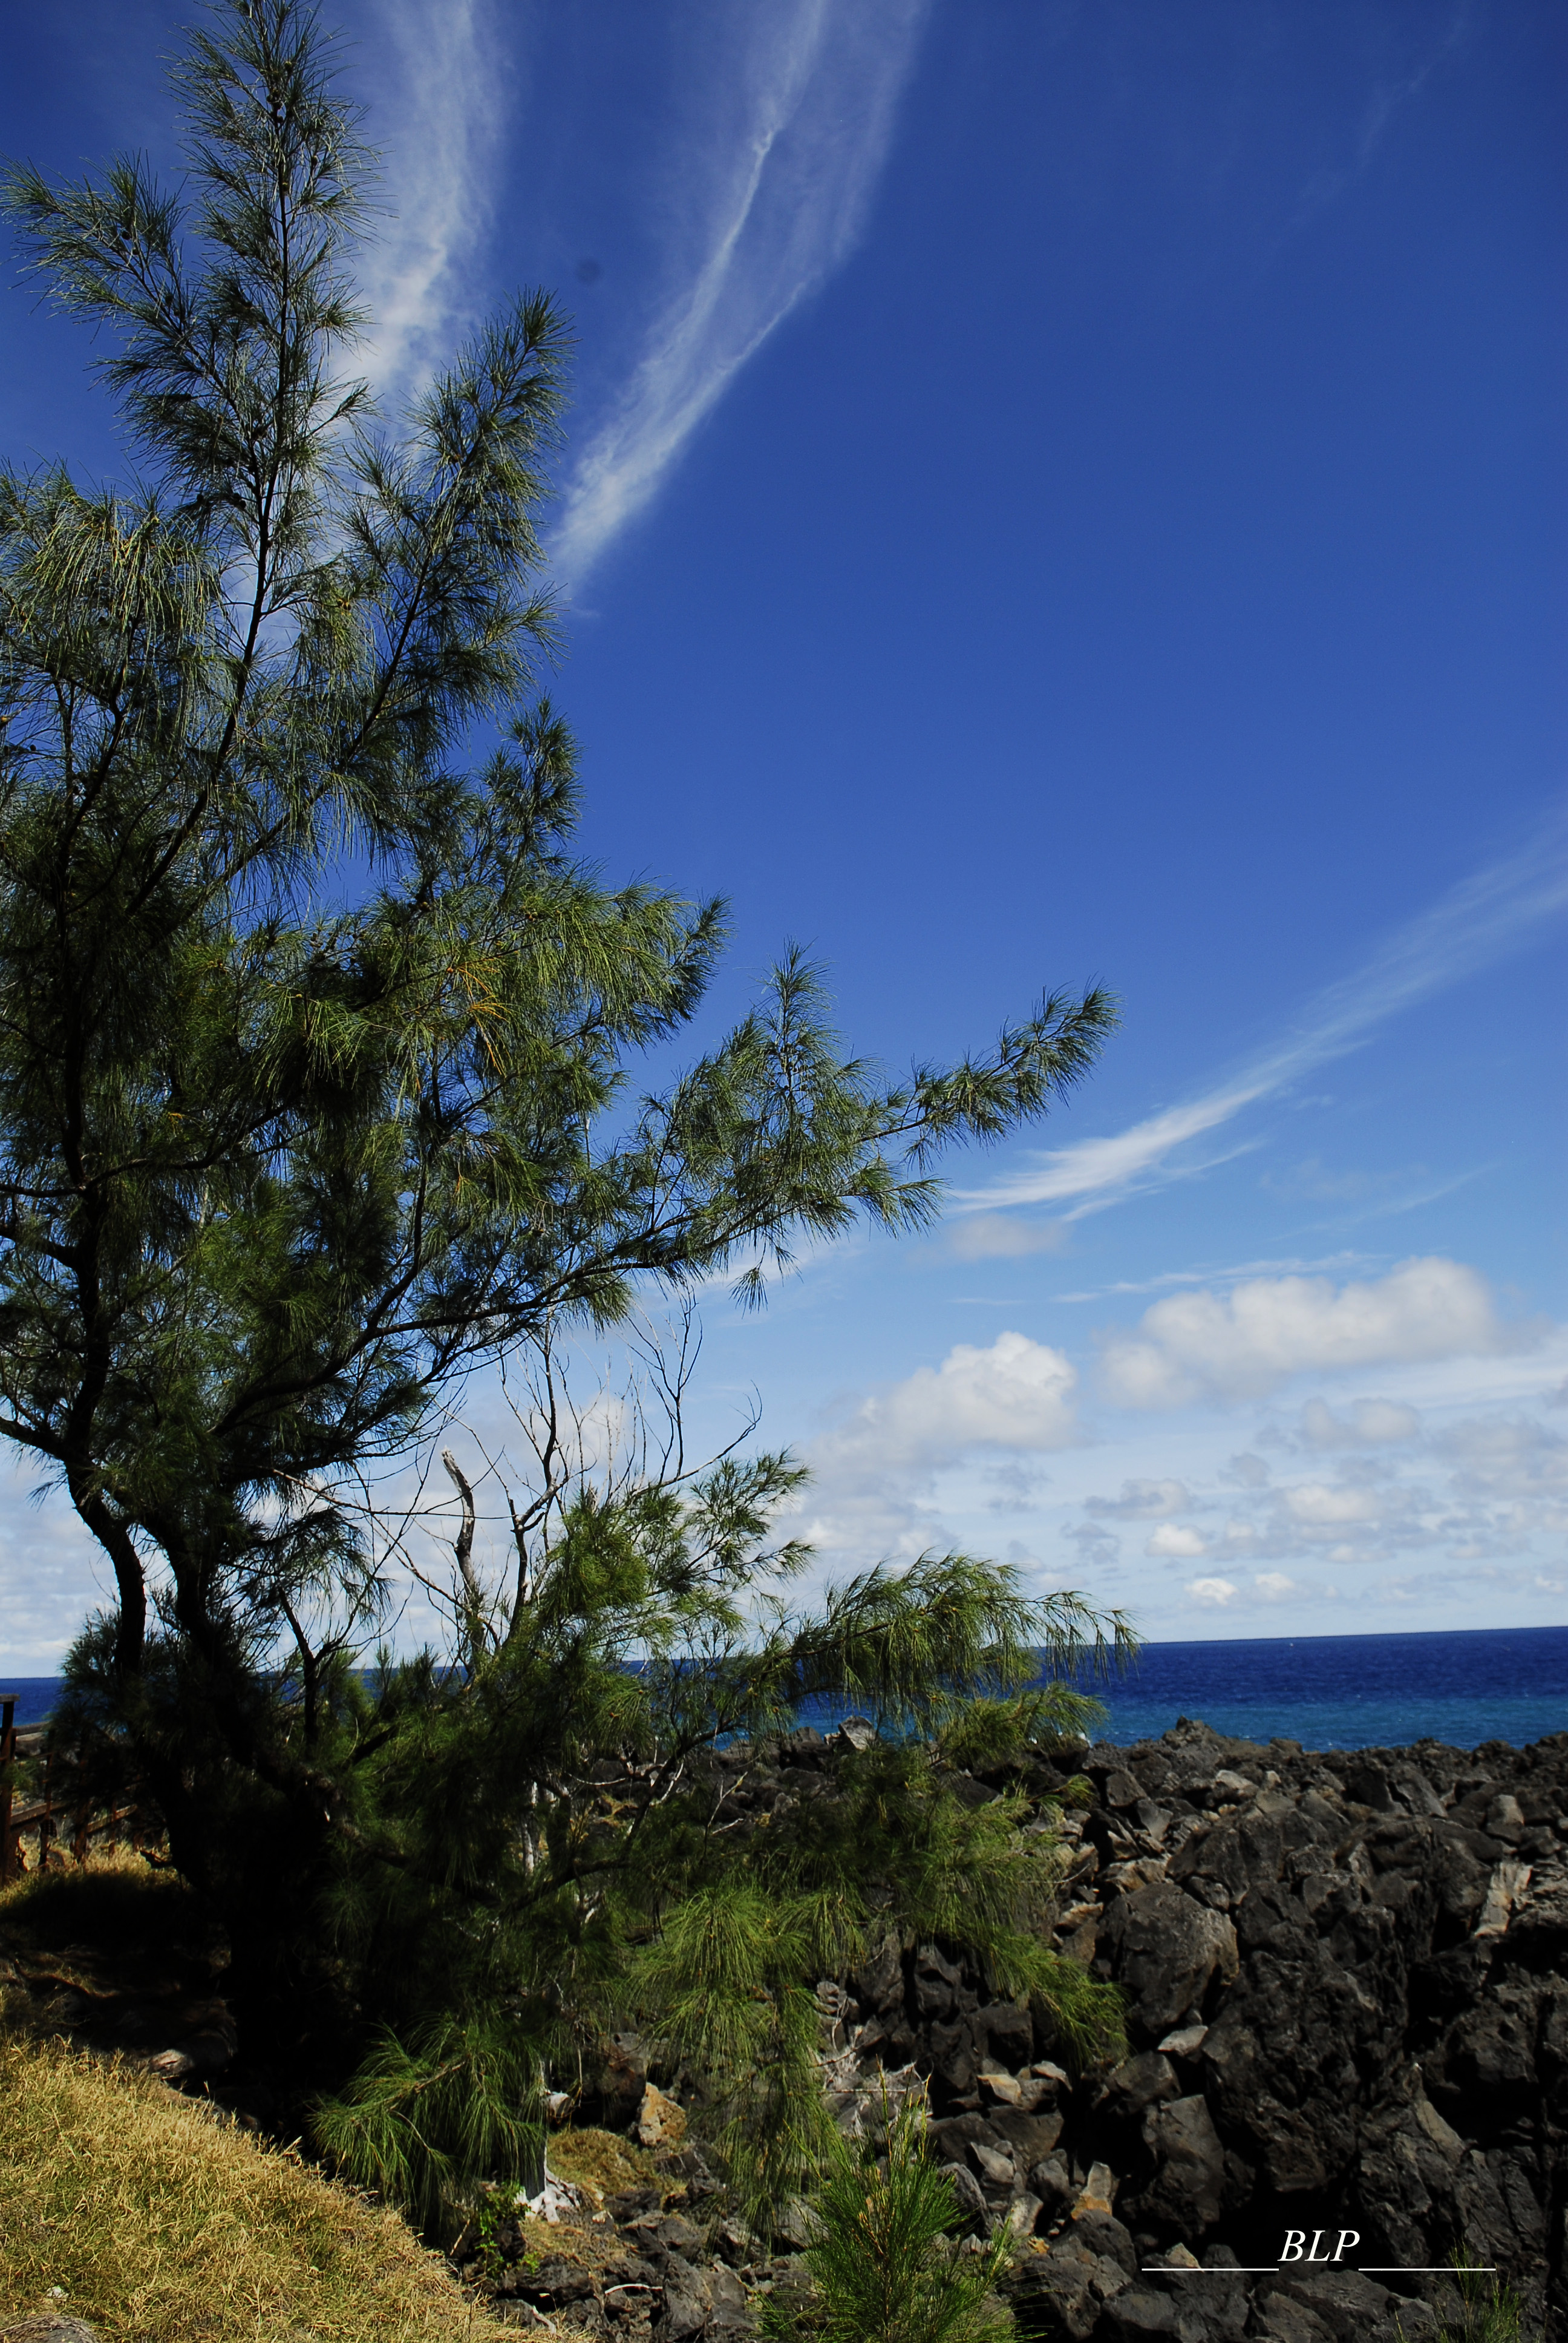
(8, 1840)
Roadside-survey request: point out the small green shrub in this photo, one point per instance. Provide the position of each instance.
(1493, 2310)
(887, 2261)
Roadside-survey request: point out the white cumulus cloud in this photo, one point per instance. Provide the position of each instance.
(1242, 1344)
(873, 1472)
(1141, 1501)
(1512, 1457)
(1312, 1502)
(1015, 1393)
(1177, 1541)
(1215, 1591)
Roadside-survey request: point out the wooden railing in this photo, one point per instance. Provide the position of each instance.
(42, 1816)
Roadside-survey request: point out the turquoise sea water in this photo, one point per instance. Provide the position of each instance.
(1327, 1692)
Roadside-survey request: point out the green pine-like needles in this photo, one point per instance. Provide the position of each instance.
(884, 2257)
(319, 1051)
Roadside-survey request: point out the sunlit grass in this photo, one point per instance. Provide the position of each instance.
(156, 2221)
(116, 1899)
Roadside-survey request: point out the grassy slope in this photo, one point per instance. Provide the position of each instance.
(160, 2222)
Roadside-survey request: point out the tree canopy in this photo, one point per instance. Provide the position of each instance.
(319, 1051)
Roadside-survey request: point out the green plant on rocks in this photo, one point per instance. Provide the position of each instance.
(431, 2121)
(886, 2259)
(1492, 2312)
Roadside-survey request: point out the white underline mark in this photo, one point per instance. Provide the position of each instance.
(1366, 2270)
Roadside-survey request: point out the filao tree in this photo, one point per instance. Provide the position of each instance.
(319, 1055)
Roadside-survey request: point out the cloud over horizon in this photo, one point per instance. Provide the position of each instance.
(1477, 1493)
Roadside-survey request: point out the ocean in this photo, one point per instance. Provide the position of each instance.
(1354, 1692)
(1327, 1692)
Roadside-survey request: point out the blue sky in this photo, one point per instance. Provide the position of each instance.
(1053, 492)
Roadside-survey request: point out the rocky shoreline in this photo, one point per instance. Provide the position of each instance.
(1346, 1980)
(1346, 2000)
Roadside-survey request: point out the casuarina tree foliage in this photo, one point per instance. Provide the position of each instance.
(316, 1092)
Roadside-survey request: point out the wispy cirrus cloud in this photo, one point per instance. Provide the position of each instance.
(1485, 917)
(795, 133)
(1284, 1266)
(439, 75)
(1384, 104)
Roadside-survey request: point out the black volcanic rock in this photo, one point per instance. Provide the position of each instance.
(1345, 1976)
(1165, 1950)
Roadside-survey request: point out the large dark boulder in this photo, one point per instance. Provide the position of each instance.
(1484, 2073)
(1165, 1951)
(1069, 2290)
(1188, 2159)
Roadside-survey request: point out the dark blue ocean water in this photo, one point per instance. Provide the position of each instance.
(1354, 1692)
(1327, 1692)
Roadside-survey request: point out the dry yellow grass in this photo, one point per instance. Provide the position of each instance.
(62, 1880)
(159, 2224)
